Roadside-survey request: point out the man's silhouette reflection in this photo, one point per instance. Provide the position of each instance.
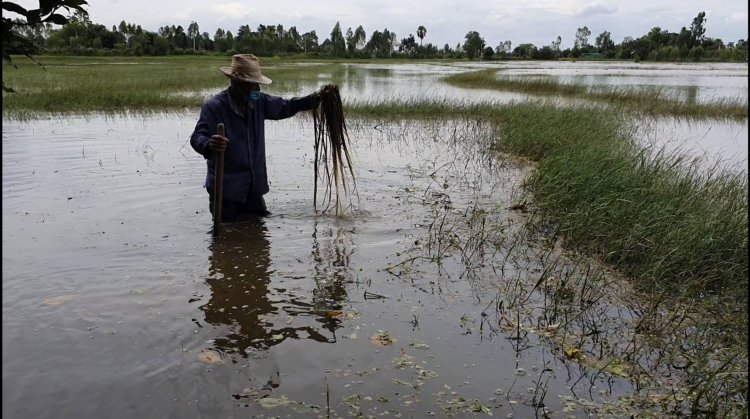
(331, 251)
(239, 279)
(251, 316)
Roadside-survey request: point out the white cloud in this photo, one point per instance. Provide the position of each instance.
(185, 14)
(597, 8)
(232, 11)
(737, 18)
(395, 11)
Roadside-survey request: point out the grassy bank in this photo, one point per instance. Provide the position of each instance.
(653, 101)
(677, 229)
(659, 217)
(66, 85)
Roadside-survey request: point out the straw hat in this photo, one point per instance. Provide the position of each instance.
(245, 67)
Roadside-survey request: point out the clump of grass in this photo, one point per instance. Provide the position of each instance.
(658, 216)
(331, 139)
(487, 79)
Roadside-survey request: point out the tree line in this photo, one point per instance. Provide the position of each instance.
(80, 36)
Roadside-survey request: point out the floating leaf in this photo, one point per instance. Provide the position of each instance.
(334, 314)
(481, 408)
(549, 330)
(617, 369)
(404, 361)
(422, 346)
(573, 353)
(210, 357)
(271, 402)
(382, 339)
(59, 300)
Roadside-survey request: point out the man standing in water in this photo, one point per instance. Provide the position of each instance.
(242, 108)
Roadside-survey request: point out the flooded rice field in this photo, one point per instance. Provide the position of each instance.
(696, 82)
(429, 298)
(118, 301)
(710, 141)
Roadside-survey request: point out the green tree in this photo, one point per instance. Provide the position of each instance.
(698, 29)
(220, 41)
(338, 42)
(487, 53)
(740, 51)
(350, 43)
(582, 37)
(310, 41)
(389, 39)
(556, 44)
(381, 43)
(180, 39)
(473, 44)
(604, 42)
(421, 33)
(360, 36)
(160, 46)
(546, 53)
(48, 12)
(292, 41)
(408, 45)
(526, 51)
(193, 32)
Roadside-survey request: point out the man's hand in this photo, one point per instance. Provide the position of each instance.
(317, 98)
(218, 143)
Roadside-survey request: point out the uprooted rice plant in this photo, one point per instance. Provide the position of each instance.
(332, 150)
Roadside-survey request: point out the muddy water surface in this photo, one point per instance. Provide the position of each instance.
(429, 298)
(119, 302)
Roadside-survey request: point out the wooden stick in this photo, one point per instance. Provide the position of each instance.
(218, 183)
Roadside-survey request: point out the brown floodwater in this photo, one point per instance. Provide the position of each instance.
(428, 297)
(119, 302)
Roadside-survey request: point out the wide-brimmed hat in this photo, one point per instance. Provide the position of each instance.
(245, 67)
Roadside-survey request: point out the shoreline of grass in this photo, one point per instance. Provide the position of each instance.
(676, 229)
(653, 101)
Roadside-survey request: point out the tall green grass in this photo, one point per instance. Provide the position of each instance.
(661, 217)
(68, 85)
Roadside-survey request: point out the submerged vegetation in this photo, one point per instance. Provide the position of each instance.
(677, 230)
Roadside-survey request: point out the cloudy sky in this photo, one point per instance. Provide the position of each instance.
(447, 21)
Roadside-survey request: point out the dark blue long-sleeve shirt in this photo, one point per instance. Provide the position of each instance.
(245, 156)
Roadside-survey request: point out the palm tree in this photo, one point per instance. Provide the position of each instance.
(421, 32)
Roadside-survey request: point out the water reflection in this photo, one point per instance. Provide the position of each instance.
(239, 279)
(332, 249)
